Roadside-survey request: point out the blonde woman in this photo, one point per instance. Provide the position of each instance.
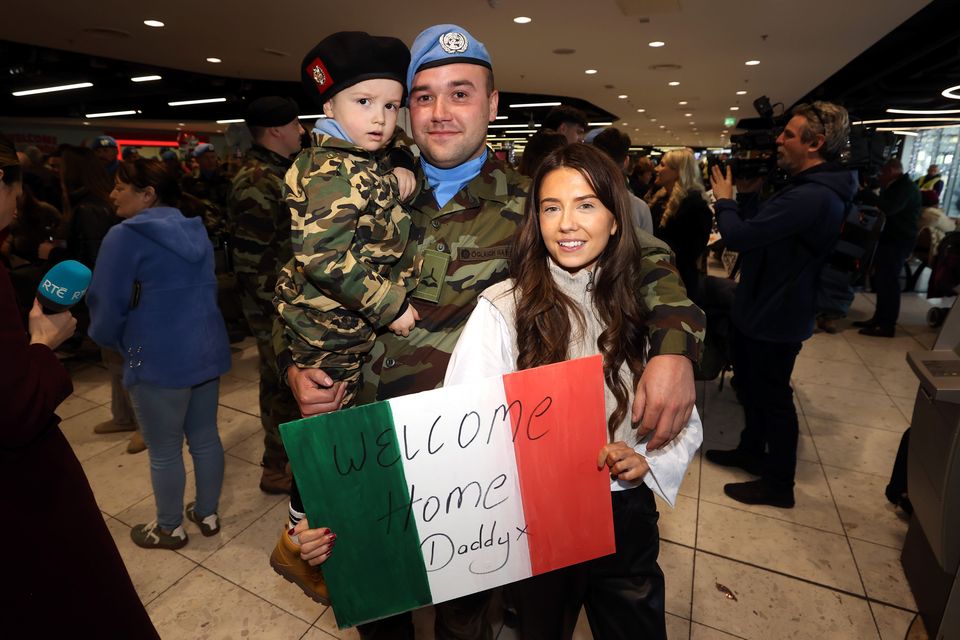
(687, 219)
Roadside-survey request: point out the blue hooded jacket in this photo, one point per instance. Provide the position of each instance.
(782, 249)
(153, 298)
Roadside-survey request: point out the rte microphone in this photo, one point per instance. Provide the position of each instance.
(63, 286)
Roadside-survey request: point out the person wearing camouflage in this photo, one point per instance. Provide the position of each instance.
(464, 215)
(210, 186)
(259, 223)
(351, 268)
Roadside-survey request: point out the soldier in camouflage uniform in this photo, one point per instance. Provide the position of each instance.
(464, 216)
(210, 185)
(259, 223)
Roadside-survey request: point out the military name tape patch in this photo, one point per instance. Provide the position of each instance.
(453, 42)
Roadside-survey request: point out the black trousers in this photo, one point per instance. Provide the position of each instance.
(623, 593)
(461, 619)
(770, 418)
(887, 266)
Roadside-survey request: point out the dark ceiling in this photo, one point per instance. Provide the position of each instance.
(908, 68)
(31, 66)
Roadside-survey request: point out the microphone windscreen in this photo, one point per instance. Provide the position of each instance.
(63, 286)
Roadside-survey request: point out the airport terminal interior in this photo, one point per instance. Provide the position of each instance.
(845, 563)
(828, 568)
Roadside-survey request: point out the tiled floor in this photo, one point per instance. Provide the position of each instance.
(828, 568)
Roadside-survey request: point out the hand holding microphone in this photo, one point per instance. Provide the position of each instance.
(63, 286)
(50, 329)
(50, 322)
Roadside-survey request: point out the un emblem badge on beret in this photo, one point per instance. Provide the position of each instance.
(318, 75)
(453, 42)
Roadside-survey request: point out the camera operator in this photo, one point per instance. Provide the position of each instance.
(783, 242)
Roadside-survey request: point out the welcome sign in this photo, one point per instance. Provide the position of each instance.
(448, 492)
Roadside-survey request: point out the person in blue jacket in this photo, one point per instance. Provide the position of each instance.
(153, 299)
(783, 244)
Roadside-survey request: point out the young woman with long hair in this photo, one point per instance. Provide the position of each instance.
(572, 293)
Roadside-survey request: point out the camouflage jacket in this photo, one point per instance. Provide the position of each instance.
(349, 237)
(259, 221)
(474, 232)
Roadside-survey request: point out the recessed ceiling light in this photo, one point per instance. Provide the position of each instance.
(734, 108)
(653, 119)
(599, 124)
(923, 112)
(180, 103)
(692, 122)
(673, 83)
(951, 92)
(590, 72)
(663, 126)
(231, 121)
(534, 104)
(181, 124)
(214, 60)
(624, 124)
(62, 87)
(726, 130)
(682, 103)
(622, 96)
(153, 23)
(741, 93)
(522, 20)
(145, 78)
(752, 63)
(656, 43)
(87, 123)
(687, 115)
(641, 110)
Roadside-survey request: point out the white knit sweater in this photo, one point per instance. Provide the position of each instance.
(488, 347)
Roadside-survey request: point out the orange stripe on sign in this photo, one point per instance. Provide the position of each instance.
(566, 523)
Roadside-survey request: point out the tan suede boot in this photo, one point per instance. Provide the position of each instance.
(286, 561)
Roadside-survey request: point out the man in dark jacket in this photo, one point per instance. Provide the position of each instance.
(782, 245)
(900, 203)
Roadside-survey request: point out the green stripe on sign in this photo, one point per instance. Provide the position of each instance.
(350, 475)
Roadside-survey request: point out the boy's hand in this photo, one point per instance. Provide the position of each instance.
(405, 323)
(406, 182)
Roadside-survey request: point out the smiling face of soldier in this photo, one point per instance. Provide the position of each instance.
(367, 111)
(450, 108)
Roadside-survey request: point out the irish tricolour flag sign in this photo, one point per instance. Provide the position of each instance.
(448, 492)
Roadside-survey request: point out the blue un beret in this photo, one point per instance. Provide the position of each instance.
(103, 141)
(445, 44)
(202, 148)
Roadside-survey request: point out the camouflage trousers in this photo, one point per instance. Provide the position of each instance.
(342, 339)
(277, 404)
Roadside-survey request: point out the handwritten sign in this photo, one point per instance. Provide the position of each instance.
(448, 492)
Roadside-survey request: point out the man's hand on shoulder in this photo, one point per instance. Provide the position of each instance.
(665, 398)
(314, 391)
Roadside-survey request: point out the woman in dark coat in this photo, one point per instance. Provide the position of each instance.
(63, 575)
(687, 219)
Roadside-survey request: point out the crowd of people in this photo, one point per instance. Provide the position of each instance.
(342, 266)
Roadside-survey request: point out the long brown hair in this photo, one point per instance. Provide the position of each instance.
(543, 311)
